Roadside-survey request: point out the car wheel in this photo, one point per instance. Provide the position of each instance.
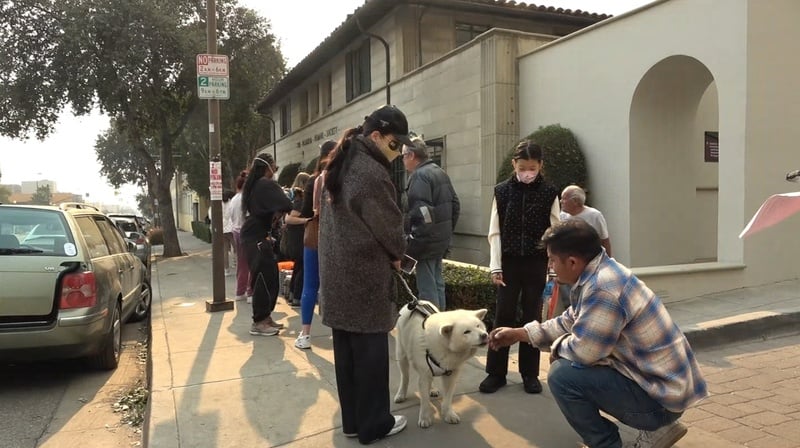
(145, 301)
(108, 356)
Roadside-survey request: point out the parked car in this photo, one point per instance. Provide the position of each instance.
(134, 232)
(69, 281)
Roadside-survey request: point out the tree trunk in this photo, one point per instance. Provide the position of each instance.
(172, 247)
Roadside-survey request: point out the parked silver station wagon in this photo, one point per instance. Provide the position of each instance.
(68, 280)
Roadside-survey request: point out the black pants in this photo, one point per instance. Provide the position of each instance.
(362, 378)
(296, 286)
(524, 278)
(264, 279)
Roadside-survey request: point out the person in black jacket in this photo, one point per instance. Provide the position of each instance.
(262, 200)
(524, 207)
(431, 216)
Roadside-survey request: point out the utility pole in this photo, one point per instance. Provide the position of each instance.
(219, 302)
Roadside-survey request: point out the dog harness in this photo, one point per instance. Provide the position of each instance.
(426, 310)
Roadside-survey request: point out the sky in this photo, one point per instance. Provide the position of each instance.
(67, 156)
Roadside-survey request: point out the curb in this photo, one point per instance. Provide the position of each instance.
(751, 329)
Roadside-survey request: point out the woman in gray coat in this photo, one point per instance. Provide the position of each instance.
(360, 246)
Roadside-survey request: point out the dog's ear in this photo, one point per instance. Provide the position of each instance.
(446, 330)
(480, 314)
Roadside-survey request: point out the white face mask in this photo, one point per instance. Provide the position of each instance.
(527, 177)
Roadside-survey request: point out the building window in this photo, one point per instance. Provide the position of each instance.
(436, 151)
(269, 135)
(465, 32)
(313, 102)
(327, 93)
(359, 78)
(286, 118)
(304, 108)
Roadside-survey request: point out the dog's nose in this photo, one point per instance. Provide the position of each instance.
(484, 338)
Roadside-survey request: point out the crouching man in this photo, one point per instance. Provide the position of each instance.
(615, 349)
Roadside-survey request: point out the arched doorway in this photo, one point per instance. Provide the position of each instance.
(673, 182)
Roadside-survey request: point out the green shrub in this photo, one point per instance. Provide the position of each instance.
(466, 288)
(564, 163)
(201, 231)
(312, 165)
(156, 236)
(288, 173)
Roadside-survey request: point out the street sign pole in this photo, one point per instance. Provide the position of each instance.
(219, 302)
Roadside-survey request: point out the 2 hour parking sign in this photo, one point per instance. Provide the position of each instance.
(213, 82)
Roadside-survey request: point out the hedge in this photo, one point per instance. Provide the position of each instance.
(201, 230)
(466, 287)
(564, 162)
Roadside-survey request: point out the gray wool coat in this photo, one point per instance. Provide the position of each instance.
(361, 233)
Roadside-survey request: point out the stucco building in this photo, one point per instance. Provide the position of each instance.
(452, 70)
(685, 109)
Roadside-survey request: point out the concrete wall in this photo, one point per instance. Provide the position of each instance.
(772, 133)
(637, 91)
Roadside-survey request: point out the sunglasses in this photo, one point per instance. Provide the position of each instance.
(395, 145)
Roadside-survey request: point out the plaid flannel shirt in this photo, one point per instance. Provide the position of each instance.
(616, 320)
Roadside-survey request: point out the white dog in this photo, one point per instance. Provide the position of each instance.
(436, 345)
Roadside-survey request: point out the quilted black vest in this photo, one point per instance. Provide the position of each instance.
(524, 212)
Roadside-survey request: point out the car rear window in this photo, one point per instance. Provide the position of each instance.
(32, 232)
(126, 226)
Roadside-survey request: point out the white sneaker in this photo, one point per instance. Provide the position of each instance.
(240, 298)
(249, 299)
(303, 341)
(663, 437)
(399, 425)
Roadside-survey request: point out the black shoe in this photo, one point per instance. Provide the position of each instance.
(531, 385)
(295, 303)
(492, 383)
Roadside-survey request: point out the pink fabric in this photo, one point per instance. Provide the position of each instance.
(318, 183)
(774, 210)
(242, 268)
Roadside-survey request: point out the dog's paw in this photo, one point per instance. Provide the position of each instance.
(425, 422)
(425, 418)
(434, 393)
(452, 418)
(399, 398)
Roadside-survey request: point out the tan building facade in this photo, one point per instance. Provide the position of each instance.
(685, 109)
(453, 73)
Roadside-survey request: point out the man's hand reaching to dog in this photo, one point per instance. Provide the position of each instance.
(504, 336)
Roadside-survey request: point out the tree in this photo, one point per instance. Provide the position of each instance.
(135, 60)
(43, 195)
(5, 193)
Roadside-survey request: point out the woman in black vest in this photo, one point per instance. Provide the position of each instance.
(524, 207)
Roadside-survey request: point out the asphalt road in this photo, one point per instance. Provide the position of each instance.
(65, 403)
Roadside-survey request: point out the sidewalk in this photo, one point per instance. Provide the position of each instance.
(215, 385)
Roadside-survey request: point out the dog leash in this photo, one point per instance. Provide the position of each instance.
(414, 303)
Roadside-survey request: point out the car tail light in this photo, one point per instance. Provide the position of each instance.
(78, 290)
(140, 240)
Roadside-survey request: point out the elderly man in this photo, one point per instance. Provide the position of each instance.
(431, 216)
(573, 205)
(616, 350)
